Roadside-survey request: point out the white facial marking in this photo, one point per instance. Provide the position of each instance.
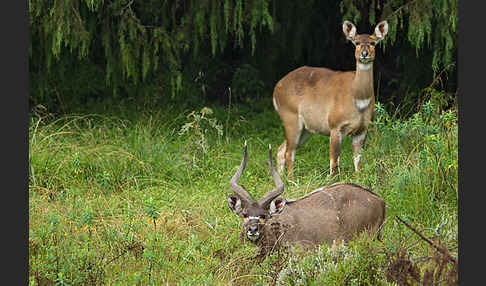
(362, 103)
(275, 104)
(364, 67)
(253, 217)
(252, 236)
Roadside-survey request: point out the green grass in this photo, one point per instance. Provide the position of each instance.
(123, 197)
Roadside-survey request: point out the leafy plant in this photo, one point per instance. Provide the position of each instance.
(199, 128)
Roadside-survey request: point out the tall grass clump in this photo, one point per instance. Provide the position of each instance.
(137, 196)
(355, 263)
(417, 158)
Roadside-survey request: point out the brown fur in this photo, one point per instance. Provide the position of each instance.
(320, 100)
(338, 212)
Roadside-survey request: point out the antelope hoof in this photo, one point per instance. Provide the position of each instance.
(332, 173)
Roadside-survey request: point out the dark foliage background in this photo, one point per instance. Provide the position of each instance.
(198, 51)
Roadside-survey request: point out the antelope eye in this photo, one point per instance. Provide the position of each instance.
(373, 44)
(263, 217)
(358, 43)
(245, 215)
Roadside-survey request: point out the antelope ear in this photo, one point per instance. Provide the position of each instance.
(277, 206)
(234, 203)
(349, 30)
(381, 30)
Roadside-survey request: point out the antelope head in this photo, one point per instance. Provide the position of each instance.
(364, 43)
(255, 213)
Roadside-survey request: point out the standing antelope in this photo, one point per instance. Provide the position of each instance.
(336, 212)
(334, 103)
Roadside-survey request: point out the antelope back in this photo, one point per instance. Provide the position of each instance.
(337, 212)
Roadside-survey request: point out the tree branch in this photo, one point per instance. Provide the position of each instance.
(440, 249)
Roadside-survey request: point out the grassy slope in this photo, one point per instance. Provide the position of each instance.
(123, 198)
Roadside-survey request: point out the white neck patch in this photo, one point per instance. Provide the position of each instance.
(362, 103)
(364, 67)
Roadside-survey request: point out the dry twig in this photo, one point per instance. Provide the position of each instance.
(442, 250)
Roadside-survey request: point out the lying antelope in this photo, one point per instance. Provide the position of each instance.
(334, 103)
(335, 212)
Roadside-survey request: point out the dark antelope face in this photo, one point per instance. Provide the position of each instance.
(364, 43)
(254, 216)
(255, 213)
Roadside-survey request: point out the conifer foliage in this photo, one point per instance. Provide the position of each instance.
(99, 46)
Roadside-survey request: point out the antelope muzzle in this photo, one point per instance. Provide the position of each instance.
(254, 228)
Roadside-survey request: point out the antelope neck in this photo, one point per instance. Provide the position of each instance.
(363, 80)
